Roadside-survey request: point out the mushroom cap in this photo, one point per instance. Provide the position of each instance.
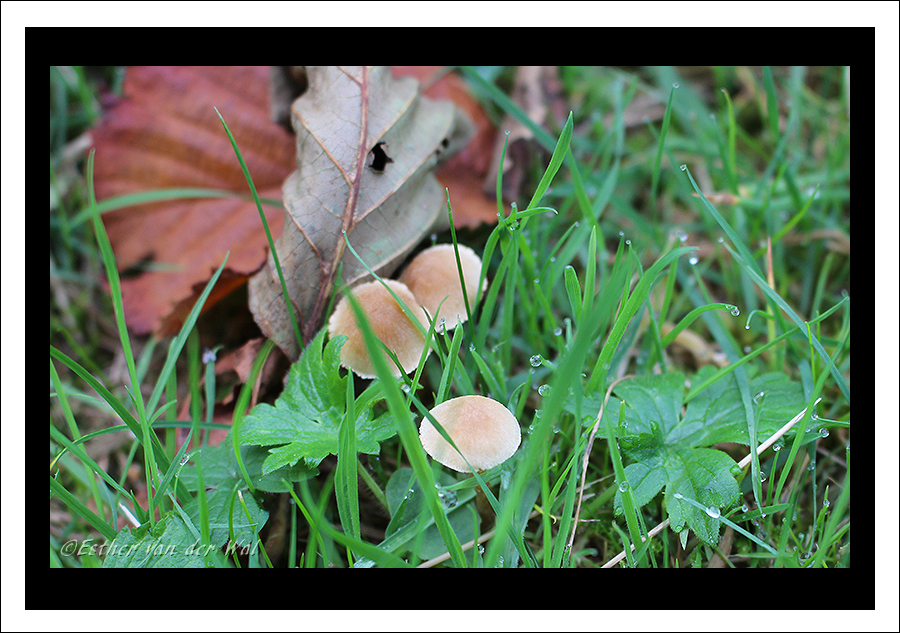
(483, 429)
(389, 323)
(433, 275)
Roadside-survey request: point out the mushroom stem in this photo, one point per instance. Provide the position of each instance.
(485, 511)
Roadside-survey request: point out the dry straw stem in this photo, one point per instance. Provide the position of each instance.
(467, 546)
(743, 464)
(587, 457)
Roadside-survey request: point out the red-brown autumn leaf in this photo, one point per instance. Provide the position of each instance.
(165, 133)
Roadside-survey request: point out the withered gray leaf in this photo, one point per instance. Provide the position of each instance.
(343, 114)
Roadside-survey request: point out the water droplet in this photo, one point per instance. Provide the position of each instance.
(209, 356)
(684, 168)
(720, 240)
(536, 360)
(442, 328)
(471, 347)
(678, 495)
(759, 396)
(735, 311)
(544, 390)
(557, 331)
(480, 548)
(185, 459)
(693, 260)
(714, 512)
(537, 414)
(825, 503)
(675, 85)
(777, 446)
(621, 233)
(623, 486)
(447, 497)
(823, 432)
(405, 388)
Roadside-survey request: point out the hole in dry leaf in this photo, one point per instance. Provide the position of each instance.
(380, 159)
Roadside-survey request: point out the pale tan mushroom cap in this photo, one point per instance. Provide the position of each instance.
(389, 323)
(433, 275)
(483, 429)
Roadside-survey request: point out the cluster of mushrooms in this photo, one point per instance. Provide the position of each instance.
(483, 429)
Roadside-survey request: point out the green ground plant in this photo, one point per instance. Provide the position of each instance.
(672, 294)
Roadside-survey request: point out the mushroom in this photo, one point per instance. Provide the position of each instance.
(433, 275)
(389, 323)
(483, 430)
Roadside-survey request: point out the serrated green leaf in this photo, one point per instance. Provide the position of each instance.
(221, 472)
(668, 449)
(703, 474)
(305, 422)
(717, 413)
(170, 545)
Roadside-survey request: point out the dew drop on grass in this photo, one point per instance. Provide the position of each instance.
(684, 168)
(675, 85)
(693, 260)
(471, 347)
(447, 497)
(823, 432)
(713, 511)
(557, 331)
(735, 311)
(544, 390)
(623, 486)
(759, 396)
(185, 459)
(678, 495)
(536, 360)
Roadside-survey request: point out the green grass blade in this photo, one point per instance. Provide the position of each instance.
(262, 216)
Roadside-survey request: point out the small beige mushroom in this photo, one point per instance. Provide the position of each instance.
(433, 275)
(483, 430)
(389, 323)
